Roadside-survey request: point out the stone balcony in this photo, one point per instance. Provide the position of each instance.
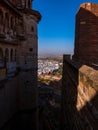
(12, 38)
(8, 37)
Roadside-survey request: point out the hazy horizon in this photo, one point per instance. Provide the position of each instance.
(53, 54)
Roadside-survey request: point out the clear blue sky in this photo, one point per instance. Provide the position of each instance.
(57, 27)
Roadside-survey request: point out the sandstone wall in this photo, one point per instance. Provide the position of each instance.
(18, 93)
(27, 91)
(8, 99)
(18, 52)
(28, 49)
(79, 96)
(86, 34)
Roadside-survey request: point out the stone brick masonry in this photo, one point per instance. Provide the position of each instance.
(86, 34)
(80, 82)
(79, 97)
(18, 58)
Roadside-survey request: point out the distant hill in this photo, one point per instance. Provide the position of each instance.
(49, 55)
(57, 54)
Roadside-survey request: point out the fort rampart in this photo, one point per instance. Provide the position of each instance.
(79, 96)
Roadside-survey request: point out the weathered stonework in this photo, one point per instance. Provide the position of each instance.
(86, 34)
(18, 57)
(79, 81)
(79, 96)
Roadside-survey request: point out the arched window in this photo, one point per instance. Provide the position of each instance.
(6, 55)
(32, 29)
(1, 55)
(1, 17)
(31, 49)
(15, 54)
(11, 54)
(6, 20)
(1, 21)
(29, 3)
(11, 23)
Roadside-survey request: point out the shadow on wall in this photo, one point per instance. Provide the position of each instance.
(56, 84)
(79, 97)
(80, 82)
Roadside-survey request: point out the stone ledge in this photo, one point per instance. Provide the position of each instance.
(89, 76)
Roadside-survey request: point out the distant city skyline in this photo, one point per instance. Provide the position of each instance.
(56, 30)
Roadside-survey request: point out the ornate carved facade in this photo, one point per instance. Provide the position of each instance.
(18, 57)
(18, 32)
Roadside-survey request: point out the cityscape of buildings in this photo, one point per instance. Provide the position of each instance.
(48, 66)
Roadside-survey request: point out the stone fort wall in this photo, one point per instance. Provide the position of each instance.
(79, 96)
(86, 34)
